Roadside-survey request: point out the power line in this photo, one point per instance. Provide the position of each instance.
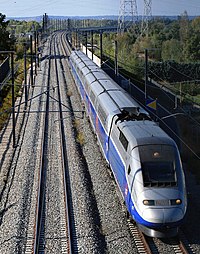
(180, 108)
(171, 130)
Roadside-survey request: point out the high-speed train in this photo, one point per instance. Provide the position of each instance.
(144, 160)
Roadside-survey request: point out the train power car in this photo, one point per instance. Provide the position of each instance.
(145, 161)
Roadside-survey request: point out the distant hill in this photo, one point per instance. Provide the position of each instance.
(108, 17)
(37, 18)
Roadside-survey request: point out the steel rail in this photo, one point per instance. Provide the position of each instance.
(67, 198)
(40, 193)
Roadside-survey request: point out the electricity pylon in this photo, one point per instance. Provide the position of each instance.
(128, 15)
(146, 17)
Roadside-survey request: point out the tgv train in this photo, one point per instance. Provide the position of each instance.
(145, 161)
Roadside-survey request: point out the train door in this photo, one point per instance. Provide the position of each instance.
(118, 145)
(128, 179)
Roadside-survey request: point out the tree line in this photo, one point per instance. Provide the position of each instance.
(14, 35)
(174, 43)
(6, 42)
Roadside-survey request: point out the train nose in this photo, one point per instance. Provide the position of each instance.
(163, 215)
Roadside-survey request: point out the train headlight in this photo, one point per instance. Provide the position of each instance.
(149, 202)
(176, 201)
(156, 155)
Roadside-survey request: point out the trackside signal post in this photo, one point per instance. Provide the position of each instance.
(146, 69)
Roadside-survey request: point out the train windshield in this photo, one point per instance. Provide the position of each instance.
(159, 163)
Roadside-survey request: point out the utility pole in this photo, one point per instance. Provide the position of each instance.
(35, 39)
(31, 49)
(76, 38)
(128, 15)
(101, 47)
(146, 73)
(86, 42)
(92, 38)
(38, 49)
(116, 58)
(13, 96)
(146, 69)
(25, 77)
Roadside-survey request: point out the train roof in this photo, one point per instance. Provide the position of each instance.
(144, 133)
(77, 54)
(108, 84)
(123, 100)
(107, 96)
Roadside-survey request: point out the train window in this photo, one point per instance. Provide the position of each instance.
(92, 96)
(81, 75)
(123, 140)
(102, 114)
(86, 86)
(159, 165)
(129, 170)
(158, 173)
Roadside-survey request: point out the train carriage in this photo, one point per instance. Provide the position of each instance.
(145, 161)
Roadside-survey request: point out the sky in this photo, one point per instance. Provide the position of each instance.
(30, 8)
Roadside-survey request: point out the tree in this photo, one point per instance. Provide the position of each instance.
(172, 30)
(193, 46)
(184, 28)
(193, 42)
(196, 25)
(6, 43)
(184, 34)
(172, 50)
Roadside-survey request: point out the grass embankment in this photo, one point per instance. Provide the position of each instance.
(6, 94)
(189, 92)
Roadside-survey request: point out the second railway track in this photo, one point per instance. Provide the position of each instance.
(52, 227)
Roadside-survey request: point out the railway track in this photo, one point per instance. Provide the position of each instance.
(53, 163)
(178, 245)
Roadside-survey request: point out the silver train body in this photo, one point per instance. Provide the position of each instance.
(145, 161)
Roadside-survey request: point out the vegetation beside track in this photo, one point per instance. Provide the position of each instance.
(6, 94)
